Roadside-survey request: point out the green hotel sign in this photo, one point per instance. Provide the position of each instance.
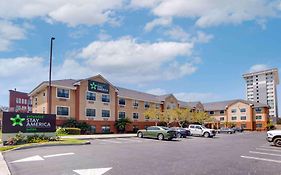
(98, 87)
(28, 123)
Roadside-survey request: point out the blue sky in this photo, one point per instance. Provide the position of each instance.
(196, 49)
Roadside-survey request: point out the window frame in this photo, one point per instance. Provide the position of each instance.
(105, 95)
(63, 107)
(86, 97)
(62, 97)
(120, 113)
(134, 115)
(91, 109)
(102, 113)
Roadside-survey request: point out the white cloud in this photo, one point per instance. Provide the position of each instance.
(195, 96)
(71, 12)
(127, 60)
(22, 73)
(258, 67)
(157, 22)
(9, 33)
(202, 37)
(103, 36)
(212, 13)
(144, 3)
(157, 91)
(178, 33)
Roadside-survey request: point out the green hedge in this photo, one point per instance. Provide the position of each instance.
(73, 131)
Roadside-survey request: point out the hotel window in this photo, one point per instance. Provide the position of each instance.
(243, 125)
(258, 117)
(146, 105)
(105, 113)
(62, 93)
(18, 108)
(243, 118)
(211, 112)
(221, 112)
(258, 125)
(234, 118)
(135, 103)
(221, 118)
(243, 110)
(43, 110)
(93, 129)
(64, 111)
(90, 112)
(135, 115)
(19, 100)
(233, 110)
(105, 98)
(258, 110)
(122, 115)
(157, 106)
(91, 96)
(44, 94)
(105, 129)
(122, 101)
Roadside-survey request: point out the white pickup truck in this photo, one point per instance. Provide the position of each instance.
(201, 130)
(275, 137)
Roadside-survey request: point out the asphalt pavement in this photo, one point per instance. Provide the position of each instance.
(241, 153)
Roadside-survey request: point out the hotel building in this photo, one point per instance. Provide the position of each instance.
(261, 88)
(99, 103)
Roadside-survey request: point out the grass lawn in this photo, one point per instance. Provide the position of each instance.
(60, 142)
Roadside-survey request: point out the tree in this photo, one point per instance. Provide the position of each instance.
(169, 116)
(201, 117)
(183, 116)
(121, 124)
(154, 114)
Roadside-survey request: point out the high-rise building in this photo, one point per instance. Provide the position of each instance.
(261, 87)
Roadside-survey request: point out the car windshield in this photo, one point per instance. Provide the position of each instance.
(203, 127)
(165, 128)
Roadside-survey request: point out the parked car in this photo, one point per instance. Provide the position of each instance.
(226, 130)
(200, 130)
(275, 137)
(158, 132)
(181, 132)
(238, 129)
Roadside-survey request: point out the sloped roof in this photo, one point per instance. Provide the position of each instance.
(189, 104)
(221, 105)
(163, 97)
(133, 94)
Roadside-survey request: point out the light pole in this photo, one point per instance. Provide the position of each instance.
(50, 78)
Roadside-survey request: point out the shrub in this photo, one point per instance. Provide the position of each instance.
(73, 131)
(21, 139)
(72, 123)
(37, 138)
(18, 139)
(61, 131)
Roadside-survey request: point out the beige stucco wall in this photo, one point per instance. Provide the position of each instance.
(98, 105)
(41, 102)
(238, 114)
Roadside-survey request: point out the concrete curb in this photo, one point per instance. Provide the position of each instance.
(87, 137)
(45, 145)
(3, 166)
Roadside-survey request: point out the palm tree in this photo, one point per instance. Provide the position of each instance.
(121, 124)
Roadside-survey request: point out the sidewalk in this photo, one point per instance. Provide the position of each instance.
(98, 136)
(3, 166)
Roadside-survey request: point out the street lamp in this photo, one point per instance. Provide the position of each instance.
(50, 77)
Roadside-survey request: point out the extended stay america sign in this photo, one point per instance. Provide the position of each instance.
(28, 123)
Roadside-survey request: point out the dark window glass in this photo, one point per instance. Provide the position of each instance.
(90, 112)
(221, 112)
(62, 111)
(135, 103)
(243, 110)
(122, 114)
(146, 104)
(222, 119)
(62, 93)
(233, 110)
(105, 129)
(135, 115)
(105, 98)
(122, 101)
(258, 125)
(91, 96)
(243, 118)
(211, 112)
(105, 113)
(233, 118)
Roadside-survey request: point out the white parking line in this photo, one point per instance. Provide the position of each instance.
(110, 141)
(263, 149)
(254, 152)
(271, 147)
(56, 155)
(262, 159)
(129, 140)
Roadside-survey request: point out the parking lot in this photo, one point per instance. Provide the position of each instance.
(241, 153)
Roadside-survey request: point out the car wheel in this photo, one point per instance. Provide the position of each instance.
(229, 132)
(160, 137)
(277, 142)
(140, 135)
(206, 134)
(178, 135)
